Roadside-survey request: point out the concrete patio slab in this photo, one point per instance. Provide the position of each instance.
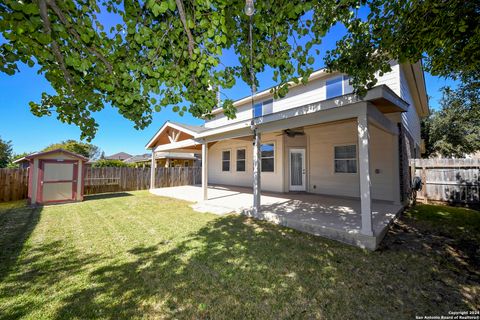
(332, 217)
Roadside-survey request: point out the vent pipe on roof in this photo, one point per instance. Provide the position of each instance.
(217, 93)
(219, 100)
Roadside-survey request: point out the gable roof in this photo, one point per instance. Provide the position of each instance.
(196, 129)
(39, 154)
(139, 158)
(119, 156)
(188, 129)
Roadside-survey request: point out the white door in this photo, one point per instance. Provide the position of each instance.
(297, 170)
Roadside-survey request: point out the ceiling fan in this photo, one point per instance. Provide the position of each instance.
(292, 133)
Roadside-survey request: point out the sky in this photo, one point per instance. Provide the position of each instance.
(29, 133)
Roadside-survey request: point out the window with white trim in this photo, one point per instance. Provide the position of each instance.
(226, 160)
(338, 86)
(345, 159)
(241, 157)
(263, 108)
(268, 157)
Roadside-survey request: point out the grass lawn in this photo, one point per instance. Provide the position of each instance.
(135, 255)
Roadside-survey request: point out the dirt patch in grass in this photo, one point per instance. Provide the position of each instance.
(448, 236)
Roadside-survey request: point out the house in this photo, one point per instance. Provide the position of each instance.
(139, 160)
(119, 156)
(319, 140)
(167, 159)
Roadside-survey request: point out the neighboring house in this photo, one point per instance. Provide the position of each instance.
(177, 159)
(139, 160)
(167, 159)
(119, 156)
(23, 163)
(319, 139)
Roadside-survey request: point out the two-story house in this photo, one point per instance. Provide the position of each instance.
(318, 139)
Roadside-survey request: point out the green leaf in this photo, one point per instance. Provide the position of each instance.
(163, 7)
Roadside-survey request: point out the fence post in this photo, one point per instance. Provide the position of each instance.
(424, 180)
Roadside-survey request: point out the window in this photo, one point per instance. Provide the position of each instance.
(338, 86)
(263, 108)
(225, 160)
(268, 157)
(346, 159)
(186, 164)
(241, 160)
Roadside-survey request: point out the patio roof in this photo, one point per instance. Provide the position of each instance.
(377, 101)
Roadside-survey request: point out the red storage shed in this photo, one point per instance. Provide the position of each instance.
(55, 176)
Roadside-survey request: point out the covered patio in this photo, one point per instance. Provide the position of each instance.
(359, 221)
(337, 218)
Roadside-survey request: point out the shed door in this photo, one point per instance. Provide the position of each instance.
(58, 180)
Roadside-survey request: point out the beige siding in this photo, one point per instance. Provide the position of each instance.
(391, 79)
(244, 112)
(301, 95)
(410, 118)
(58, 155)
(382, 168)
(322, 176)
(321, 142)
(271, 181)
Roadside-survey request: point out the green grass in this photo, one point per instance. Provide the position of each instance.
(135, 255)
(451, 221)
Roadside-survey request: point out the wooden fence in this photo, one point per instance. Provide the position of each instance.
(13, 184)
(102, 180)
(448, 180)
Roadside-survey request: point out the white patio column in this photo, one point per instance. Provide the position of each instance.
(396, 170)
(152, 169)
(205, 170)
(256, 174)
(364, 166)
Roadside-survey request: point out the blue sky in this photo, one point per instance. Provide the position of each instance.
(29, 133)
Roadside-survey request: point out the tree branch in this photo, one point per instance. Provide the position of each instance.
(52, 4)
(191, 42)
(181, 12)
(55, 48)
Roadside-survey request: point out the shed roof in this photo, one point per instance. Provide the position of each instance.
(39, 154)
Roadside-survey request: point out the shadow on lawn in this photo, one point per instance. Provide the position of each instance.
(16, 225)
(45, 266)
(240, 268)
(236, 267)
(107, 196)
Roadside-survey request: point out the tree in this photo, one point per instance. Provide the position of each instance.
(454, 130)
(445, 34)
(167, 53)
(110, 163)
(5, 152)
(85, 149)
